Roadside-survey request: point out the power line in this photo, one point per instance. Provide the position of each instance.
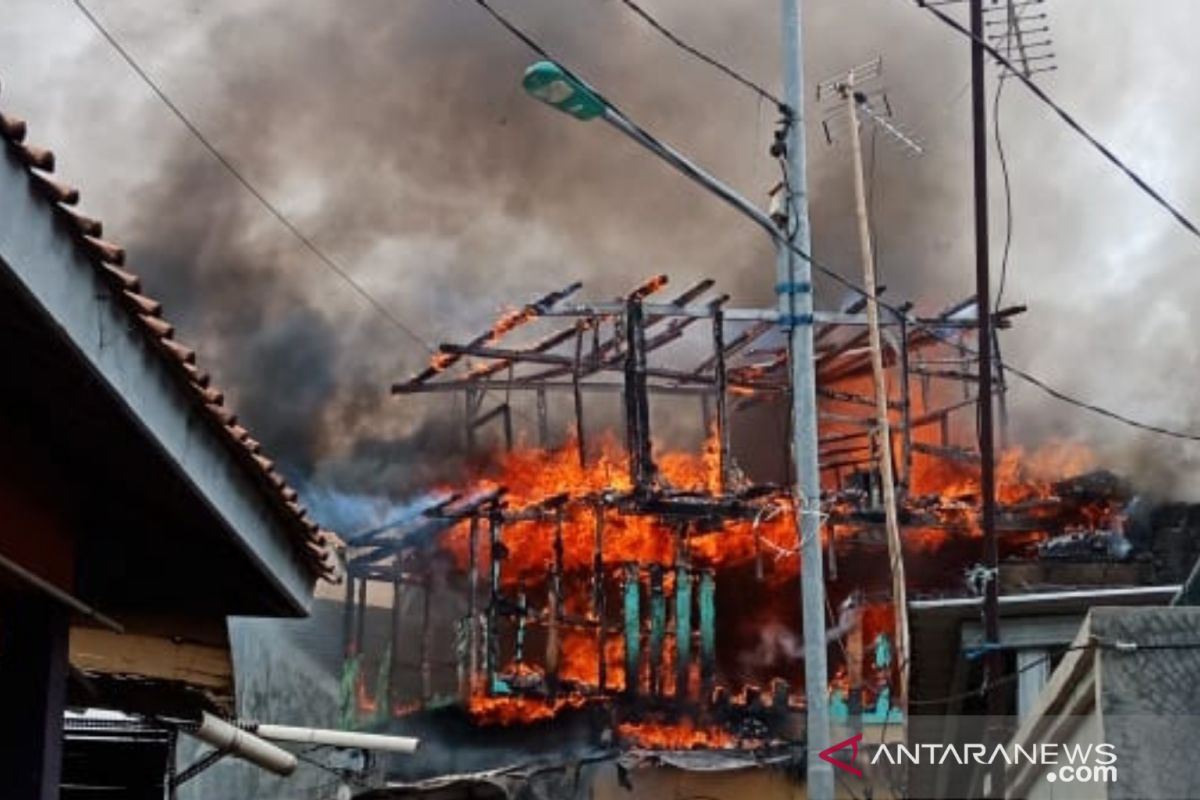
(308, 243)
(1117, 646)
(705, 57)
(1108, 154)
(833, 274)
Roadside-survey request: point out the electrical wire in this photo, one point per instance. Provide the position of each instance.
(1014, 20)
(834, 275)
(1071, 122)
(674, 39)
(1118, 646)
(328, 261)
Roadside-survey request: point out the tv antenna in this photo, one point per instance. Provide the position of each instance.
(852, 100)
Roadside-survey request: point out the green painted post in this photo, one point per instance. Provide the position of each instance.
(683, 630)
(658, 626)
(633, 627)
(708, 631)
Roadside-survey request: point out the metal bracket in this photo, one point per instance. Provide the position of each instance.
(198, 766)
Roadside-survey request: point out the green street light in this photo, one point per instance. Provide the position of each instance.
(546, 81)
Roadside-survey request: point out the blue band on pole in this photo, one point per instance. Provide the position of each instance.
(794, 320)
(802, 287)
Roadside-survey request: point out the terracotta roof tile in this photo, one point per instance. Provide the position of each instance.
(106, 251)
(158, 326)
(184, 354)
(38, 157)
(12, 128)
(57, 192)
(84, 224)
(127, 279)
(317, 544)
(144, 305)
(196, 375)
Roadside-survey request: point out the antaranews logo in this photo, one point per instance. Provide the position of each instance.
(1067, 763)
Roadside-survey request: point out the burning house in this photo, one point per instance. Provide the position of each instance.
(598, 595)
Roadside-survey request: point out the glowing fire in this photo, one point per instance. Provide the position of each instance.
(681, 735)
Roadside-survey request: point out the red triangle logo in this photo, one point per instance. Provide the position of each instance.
(852, 742)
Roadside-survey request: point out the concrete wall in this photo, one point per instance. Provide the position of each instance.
(278, 680)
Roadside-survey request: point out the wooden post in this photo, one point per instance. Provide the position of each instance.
(658, 624)
(554, 610)
(580, 438)
(905, 411)
(472, 609)
(598, 609)
(883, 426)
(543, 420)
(348, 643)
(637, 400)
(426, 639)
(33, 691)
(722, 401)
(393, 698)
(360, 624)
(491, 634)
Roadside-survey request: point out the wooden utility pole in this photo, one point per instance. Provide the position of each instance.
(882, 424)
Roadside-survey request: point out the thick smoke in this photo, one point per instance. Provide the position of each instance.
(395, 135)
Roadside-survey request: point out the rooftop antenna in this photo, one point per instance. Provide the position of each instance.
(1021, 29)
(851, 99)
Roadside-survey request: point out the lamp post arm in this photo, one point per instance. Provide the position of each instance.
(691, 170)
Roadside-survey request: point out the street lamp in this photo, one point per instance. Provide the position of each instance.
(547, 81)
(550, 83)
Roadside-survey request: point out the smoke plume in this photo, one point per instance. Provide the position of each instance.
(395, 135)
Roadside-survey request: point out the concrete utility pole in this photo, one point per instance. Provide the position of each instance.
(994, 663)
(883, 429)
(794, 285)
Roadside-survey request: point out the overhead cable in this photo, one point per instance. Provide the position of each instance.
(712, 61)
(1071, 122)
(327, 260)
(668, 154)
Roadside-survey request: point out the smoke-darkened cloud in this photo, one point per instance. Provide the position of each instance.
(395, 135)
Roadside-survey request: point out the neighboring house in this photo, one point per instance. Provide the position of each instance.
(136, 514)
(1132, 681)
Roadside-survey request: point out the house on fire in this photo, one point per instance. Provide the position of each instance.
(136, 514)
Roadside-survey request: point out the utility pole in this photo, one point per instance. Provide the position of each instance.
(994, 664)
(794, 286)
(883, 430)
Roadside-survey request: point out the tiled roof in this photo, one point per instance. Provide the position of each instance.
(315, 544)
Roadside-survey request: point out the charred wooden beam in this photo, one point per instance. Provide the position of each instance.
(598, 601)
(642, 472)
(507, 322)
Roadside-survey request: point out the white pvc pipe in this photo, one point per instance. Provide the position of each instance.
(244, 745)
(334, 738)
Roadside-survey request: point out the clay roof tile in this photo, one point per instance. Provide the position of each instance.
(182, 353)
(127, 279)
(144, 305)
(57, 192)
(37, 157)
(106, 251)
(159, 327)
(12, 128)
